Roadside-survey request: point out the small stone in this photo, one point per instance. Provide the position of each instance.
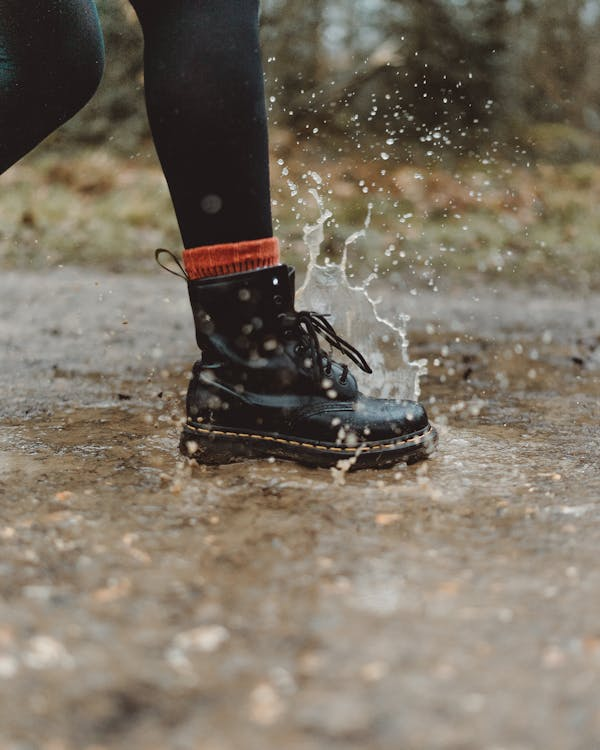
(205, 639)
(63, 497)
(8, 667)
(553, 657)
(374, 671)
(44, 652)
(265, 706)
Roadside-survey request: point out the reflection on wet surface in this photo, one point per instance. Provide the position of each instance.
(145, 603)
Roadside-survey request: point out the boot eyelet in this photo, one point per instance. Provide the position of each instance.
(278, 300)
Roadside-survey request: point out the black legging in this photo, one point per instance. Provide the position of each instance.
(204, 93)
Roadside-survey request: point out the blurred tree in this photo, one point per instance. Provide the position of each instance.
(449, 67)
(555, 64)
(433, 66)
(433, 71)
(292, 37)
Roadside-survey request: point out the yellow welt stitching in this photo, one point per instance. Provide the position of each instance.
(405, 441)
(415, 439)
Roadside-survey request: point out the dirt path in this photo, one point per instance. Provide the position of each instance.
(145, 605)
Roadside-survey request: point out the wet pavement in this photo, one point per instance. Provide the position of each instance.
(146, 604)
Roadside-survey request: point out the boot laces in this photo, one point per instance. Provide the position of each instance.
(311, 325)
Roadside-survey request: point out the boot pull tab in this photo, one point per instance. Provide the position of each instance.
(175, 259)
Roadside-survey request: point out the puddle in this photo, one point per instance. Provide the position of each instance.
(263, 605)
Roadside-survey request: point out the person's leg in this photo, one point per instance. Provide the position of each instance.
(205, 98)
(51, 61)
(264, 385)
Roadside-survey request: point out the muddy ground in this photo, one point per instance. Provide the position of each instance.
(147, 605)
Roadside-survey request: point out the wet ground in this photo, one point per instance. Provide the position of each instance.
(146, 605)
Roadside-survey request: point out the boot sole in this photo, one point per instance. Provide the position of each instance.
(219, 445)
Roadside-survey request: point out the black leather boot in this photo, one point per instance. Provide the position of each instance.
(264, 386)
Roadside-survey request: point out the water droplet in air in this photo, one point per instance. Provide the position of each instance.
(211, 204)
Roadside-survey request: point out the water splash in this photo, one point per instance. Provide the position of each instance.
(354, 314)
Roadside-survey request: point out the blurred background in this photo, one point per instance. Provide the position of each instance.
(467, 129)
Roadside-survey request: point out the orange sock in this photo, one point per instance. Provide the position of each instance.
(233, 257)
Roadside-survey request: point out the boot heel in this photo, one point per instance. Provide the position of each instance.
(212, 449)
